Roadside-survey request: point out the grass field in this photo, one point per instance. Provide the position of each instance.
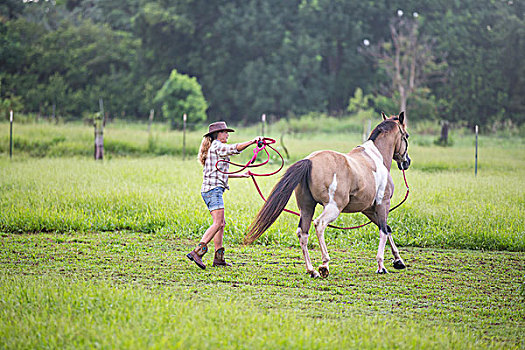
(135, 290)
(445, 209)
(92, 253)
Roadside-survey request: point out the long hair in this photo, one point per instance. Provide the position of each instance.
(298, 173)
(205, 146)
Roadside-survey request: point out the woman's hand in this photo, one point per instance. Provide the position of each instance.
(242, 146)
(257, 139)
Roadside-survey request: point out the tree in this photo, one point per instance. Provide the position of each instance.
(9, 9)
(408, 60)
(267, 56)
(181, 95)
(484, 42)
(336, 26)
(8, 102)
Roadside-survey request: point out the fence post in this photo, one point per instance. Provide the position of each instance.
(10, 134)
(263, 122)
(476, 161)
(184, 119)
(367, 126)
(151, 116)
(99, 132)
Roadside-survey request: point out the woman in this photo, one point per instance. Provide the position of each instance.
(213, 148)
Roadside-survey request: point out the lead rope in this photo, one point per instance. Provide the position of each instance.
(261, 145)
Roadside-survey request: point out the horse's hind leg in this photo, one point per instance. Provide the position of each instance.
(302, 233)
(306, 205)
(329, 214)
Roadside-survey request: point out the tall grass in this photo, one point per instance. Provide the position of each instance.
(67, 191)
(446, 208)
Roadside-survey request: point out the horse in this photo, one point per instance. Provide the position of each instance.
(358, 181)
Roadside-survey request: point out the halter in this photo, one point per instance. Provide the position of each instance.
(404, 138)
(266, 142)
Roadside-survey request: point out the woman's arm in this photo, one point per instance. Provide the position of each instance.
(225, 150)
(239, 175)
(242, 146)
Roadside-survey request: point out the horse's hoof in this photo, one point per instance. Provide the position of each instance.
(314, 274)
(399, 264)
(323, 270)
(382, 271)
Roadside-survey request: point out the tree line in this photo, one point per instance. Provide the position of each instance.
(464, 60)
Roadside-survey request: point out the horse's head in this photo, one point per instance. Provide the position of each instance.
(401, 143)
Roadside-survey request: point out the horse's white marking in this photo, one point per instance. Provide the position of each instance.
(381, 173)
(330, 212)
(332, 189)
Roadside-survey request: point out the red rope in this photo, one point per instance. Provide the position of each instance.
(262, 146)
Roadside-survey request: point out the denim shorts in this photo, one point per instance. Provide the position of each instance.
(213, 198)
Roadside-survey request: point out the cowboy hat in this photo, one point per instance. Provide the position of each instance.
(218, 126)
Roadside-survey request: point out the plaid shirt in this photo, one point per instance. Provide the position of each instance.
(213, 178)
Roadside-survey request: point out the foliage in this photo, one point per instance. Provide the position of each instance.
(254, 57)
(9, 103)
(384, 103)
(181, 95)
(480, 42)
(71, 67)
(359, 102)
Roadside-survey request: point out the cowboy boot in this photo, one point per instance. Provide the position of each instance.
(218, 260)
(197, 254)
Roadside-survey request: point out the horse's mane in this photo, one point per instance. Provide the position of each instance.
(385, 126)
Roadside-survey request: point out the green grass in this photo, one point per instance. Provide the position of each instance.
(445, 209)
(132, 290)
(92, 254)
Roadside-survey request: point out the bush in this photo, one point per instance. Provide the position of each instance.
(181, 95)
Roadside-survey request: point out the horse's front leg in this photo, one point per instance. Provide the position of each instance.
(378, 215)
(385, 234)
(383, 237)
(398, 262)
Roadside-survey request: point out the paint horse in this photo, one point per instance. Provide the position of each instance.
(358, 181)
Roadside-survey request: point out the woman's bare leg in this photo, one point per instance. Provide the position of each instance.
(216, 230)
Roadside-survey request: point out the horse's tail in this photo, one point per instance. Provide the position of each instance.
(298, 173)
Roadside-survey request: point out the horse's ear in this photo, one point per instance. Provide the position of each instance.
(384, 116)
(402, 118)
